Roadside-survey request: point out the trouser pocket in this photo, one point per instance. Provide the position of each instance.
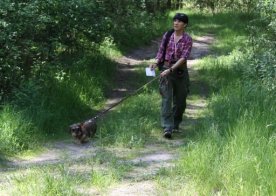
(183, 74)
(179, 73)
(163, 86)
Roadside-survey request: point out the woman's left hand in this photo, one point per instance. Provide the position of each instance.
(165, 73)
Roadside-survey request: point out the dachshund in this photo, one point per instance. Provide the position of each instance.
(81, 132)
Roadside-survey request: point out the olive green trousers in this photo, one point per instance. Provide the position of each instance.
(174, 89)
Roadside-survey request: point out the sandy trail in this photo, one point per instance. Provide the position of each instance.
(154, 156)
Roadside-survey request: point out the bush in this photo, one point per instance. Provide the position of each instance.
(16, 131)
(36, 33)
(55, 65)
(262, 56)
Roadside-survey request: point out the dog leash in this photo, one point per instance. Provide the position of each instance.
(123, 99)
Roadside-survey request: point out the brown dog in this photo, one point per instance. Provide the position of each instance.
(83, 131)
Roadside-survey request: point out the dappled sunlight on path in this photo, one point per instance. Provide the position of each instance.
(144, 163)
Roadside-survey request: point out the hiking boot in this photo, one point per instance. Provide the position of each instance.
(176, 129)
(168, 133)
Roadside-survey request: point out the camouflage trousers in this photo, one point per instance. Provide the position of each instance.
(174, 89)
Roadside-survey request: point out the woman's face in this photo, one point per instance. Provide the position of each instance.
(178, 25)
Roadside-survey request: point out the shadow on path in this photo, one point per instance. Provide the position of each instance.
(156, 155)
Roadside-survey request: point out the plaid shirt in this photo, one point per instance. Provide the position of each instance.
(183, 48)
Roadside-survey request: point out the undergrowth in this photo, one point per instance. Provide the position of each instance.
(71, 89)
(233, 150)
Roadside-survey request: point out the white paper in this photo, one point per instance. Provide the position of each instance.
(150, 72)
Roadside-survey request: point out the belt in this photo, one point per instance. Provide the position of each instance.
(168, 64)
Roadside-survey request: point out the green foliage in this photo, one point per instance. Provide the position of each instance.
(43, 182)
(55, 65)
(44, 108)
(131, 126)
(36, 33)
(16, 132)
(233, 152)
(262, 42)
(226, 5)
(73, 177)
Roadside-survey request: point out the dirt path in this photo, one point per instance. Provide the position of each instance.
(162, 155)
(149, 160)
(126, 70)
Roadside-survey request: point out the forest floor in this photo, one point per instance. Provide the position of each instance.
(145, 162)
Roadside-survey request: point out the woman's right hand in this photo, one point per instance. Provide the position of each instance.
(153, 66)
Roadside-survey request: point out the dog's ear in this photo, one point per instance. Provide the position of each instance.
(74, 127)
(70, 128)
(81, 125)
(89, 127)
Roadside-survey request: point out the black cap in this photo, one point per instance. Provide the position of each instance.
(182, 17)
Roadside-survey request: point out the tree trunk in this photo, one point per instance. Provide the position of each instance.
(178, 4)
(149, 6)
(169, 4)
(158, 6)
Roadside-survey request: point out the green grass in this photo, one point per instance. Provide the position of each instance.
(70, 178)
(233, 150)
(130, 125)
(71, 90)
(43, 110)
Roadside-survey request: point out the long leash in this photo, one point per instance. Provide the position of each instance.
(123, 99)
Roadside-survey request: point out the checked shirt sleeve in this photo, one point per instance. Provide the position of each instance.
(161, 49)
(187, 48)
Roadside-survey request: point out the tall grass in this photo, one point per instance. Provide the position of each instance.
(42, 110)
(233, 152)
(83, 177)
(133, 123)
(69, 91)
